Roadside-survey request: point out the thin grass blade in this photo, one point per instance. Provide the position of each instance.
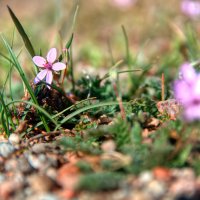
(25, 80)
(127, 46)
(22, 32)
(44, 112)
(73, 114)
(4, 113)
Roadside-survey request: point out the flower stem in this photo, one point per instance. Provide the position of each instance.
(70, 60)
(119, 99)
(163, 87)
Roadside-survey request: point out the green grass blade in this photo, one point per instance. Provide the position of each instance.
(67, 46)
(71, 68)
(127, 46)
(21, 31)
(7, 115)
(4, 123)
(69, 53)
(25, 81)
(73, 114)
(37, 107)
(67, 109)
(68, 26)
(73, 106)
(11, 94)
(8, 77)
(111, 53)
(6, 58)
(75, 16)
(10, 81)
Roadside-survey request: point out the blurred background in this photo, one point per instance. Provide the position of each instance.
(154, 29)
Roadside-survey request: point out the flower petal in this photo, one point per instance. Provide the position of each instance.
(51, 55)
(192, 112)
(182, 92)
(40, 76)
(39, 61)
(190, 8)
(49, 78)
(195, 89)
(58, 66)
(188, 72)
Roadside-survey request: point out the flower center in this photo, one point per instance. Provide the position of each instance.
(48, 65)
(196, 102)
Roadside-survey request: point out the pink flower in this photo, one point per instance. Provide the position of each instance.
(187, 92)
(191, 8)
(49, 66)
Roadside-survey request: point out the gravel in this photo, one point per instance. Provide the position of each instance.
(44, 172)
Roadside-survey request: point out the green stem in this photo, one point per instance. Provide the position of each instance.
(70, 60)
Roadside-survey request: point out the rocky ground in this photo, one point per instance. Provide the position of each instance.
(40, 169)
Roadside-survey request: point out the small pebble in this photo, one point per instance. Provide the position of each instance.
(108, 146)
(156, 189)
(162, 173)
(39, 148)
(14, 139)
(8, 187)
(188, 174)
(52, 173)
(182, 186)
(2, 178)
(38, 161)
(6, 149)
(140, 195)
(46, 196)
(18, 178)
(185, 173)
(53, 159)
(11, 165)
(40, 183)
(24, 165)
(145, 177)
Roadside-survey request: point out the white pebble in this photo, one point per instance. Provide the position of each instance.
(14, 139)
(145, 177)
(6, 149)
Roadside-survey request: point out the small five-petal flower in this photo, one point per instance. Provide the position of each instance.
(49, 65)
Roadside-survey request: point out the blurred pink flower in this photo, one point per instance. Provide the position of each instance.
(187, 92)
(123, 3)
(191, 8)
(49, 66)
